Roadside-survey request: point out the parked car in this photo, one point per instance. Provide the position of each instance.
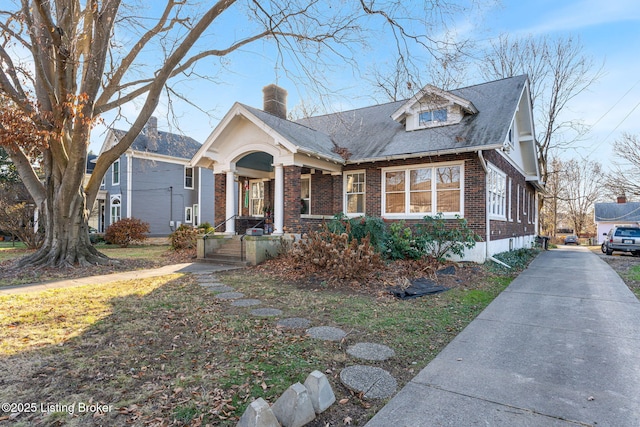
(623, 239)
(571, 240)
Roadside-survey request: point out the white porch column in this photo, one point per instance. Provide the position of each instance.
(230, 227)
(278, 201)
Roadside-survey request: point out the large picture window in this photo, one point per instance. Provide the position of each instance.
(256, 198)
(423, 190)
(354, 185)
(497, 193)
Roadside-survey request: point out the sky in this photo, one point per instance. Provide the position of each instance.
(609, 32)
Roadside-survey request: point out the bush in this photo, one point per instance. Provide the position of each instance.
(442, 240)
(401, 243)
(205, 228)
(127, 231)
(336, 255)
(185, 237)
(360, 227)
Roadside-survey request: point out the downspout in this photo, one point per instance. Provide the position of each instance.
(487, 223)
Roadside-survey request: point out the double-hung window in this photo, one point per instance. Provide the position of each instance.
(497, 192)
(188, 215)
(188, 177)
(115, 173)
(354, 193)
(256, 198)
(305, 195)
(423, 190)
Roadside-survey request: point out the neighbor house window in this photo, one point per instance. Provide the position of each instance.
(115, 209)
(196, 215)
(188, 214)
(428, 117)
(188, 177)
(102, 183)
(256, 198)
(423, 190)
(497, 193)
(115, 172)
(305, 195)
(354, 193)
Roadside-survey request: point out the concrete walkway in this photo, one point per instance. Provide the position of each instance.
(190, 267)
(559, 347)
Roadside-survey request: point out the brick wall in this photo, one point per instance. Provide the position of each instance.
(221, 200)
(292, 199)
(501, 229)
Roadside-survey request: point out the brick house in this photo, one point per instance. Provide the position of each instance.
(469, 152)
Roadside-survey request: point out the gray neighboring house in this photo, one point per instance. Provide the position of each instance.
(154, 182)
(621, 212)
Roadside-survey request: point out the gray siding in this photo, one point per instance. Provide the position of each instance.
(207, 196)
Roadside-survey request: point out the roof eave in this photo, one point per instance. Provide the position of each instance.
(426, 153)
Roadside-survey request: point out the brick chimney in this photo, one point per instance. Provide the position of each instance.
(622, 199)
(151, 132)
(275, 100)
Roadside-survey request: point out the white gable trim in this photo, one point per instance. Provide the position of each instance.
(408, 107)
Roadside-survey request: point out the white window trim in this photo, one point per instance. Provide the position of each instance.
(518, 204)
(188, 215)
(192, 177)
(307, 176)
(496, 216)
(113, 173)
(195, 215)
(113, 198)
(251, 182)
(509, 199)
(345, 194)
(434, 200)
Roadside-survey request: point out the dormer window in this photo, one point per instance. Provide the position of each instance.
(427, 118)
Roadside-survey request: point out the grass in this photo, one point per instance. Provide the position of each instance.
(634, 273)
(167, 349)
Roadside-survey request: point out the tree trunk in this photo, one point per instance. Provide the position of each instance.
(66, 241)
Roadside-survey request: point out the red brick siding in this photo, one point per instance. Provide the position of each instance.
(501, 229)
(220, 208)
(292, 199)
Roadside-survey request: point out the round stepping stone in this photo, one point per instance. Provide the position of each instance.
(327, 333)
(371, 351)
(374, 383)
(266, 312)
(218, 288)
(294, 323)
(230, 295)
(246, 302)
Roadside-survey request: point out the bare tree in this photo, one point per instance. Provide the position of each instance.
(86, 58)
(558, 71)
(624, 180)
(582, 183)
(551, 213)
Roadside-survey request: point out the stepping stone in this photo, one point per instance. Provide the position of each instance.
(374, 383)
(218, 288)
(320, 391)
(230, 295)
(246, 302)
(370, 351)
(294, 323)
(327, 333)
(266, 312)
(294, 407)
(258, 414)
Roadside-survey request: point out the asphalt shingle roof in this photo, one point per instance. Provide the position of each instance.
(617, 212)
(167, 144)
(370, 133)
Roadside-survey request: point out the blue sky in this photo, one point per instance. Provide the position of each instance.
(609, 32)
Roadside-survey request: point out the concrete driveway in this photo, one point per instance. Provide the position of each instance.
(559, 347)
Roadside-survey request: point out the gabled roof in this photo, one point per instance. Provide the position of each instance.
(617, 212)
(428, 94)
(370, 133)
(166, 144)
